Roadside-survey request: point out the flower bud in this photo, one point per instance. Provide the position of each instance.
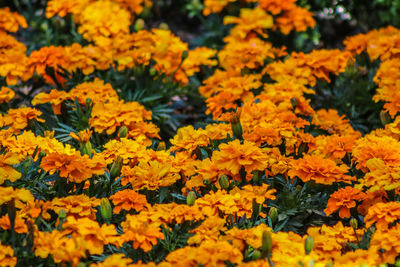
(163, 26)
(161, 146)
(42, 154)
(223, 182)
(191, 198)
(256, 255)
(86, 148)
(105, 209)
(266, 244)
(62, 214)
(116, 167)
(273, 214)
(354, 223)
(28, 162)
(303, 148)
(308, 244)
(123, 132)
(385, 117)
(294, 103)
(237, 129)
(206, 182)
(139, 24)
(152, 72)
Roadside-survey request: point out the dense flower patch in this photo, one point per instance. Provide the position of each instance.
(89, 176)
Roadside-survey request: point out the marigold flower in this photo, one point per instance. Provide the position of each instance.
(209, 253)
(6, 94)
(197, 57)
(234, 155)
(20, 226)
(104, 19)
(187, 138)
(142, 234)
(251, 22)
(95, 236)
(11, 21)
(127, 200)
(7, 172)
(82, 136)
(150, 175)
(21, 195)
(76, 205)
(61, 247)
(380, 176)
(18, 118)
(208, 230)
(320, 170)
(276, 7)
(64, 7)
(72, 165)
(215, 6)
(344, 199)
(115, 260)
(112, 115)
(297, 18)
(7, 256)
(382, 214)
(384, 243)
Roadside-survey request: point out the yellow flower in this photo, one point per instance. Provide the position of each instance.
(7, 172)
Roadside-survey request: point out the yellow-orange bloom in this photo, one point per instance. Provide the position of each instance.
(6, 94)
(7, 256)
(11, 21)
(344, 199)
(320, 170)
(383, 214)
(7, 172)
(127, 200)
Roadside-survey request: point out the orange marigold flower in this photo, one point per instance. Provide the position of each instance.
(369, 147)
(11, 21)
(127, 200)
(215, 6)
(129, 150)
(21, 195)
(143, 234)
(276, 7)
(77, 205)
(208, 230)
(150, 175)
(20, 226)
(97, 91)
(61, 247)
(220, 103)
(115, 260)
(6, 94)
(187, 138)
(380, 176)
(234, 155)
(48, 56)
(112, 115)
(384, 242)
(214, 202)
(13, 60)
(382, 214)
(251, 54)
(55, 98)
(344, 199)
(335, 146)
(210, 253)
(297, 18)
(7, 256)
(72, 165)
(95, 236)
(82, 136)
(330, 121)
(64, 7)
(103, 19)
(320, 170)
(251, 22)
(7, 172)
(197, 57)
(18, 118)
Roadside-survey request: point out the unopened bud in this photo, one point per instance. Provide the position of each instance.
(86, 148)
(139, 24)
(185, 54)
(152, 72)
(273, 214)
(28, 162)
(293, 101)
(206, 182)
(105, 209)
(123, 132)
(62, 214)
(163, 26)
(308, 244)
(354, 223)
(223, 181)
(256, 255)
(266, 244)
(191, 198)
(161, 146)
(385, 117)
(116, 167)
(42, 154)
(303, 148)
(237, 129)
